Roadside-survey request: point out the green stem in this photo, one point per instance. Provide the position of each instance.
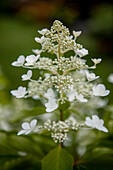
(61, 118)
(59, 53)
(61, 144)
(61, 95)
(61, 115)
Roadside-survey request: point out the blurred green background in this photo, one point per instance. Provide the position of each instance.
(19, 22)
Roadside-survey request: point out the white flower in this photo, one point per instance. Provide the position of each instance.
(50, 94)
(110, 78)
(20, 92)
(27, 127)
(96, 61)
(39, 40)
(37, 51)
(95, 122)
(51, 105)
(35, 97)
(43, 31)
(31, 59)
(76, 33)
(82, 52)
(99, 90)
(71, 121)
(71, 95)
(91, 76)
(102, 103)
(80, 98)
(27, 76)
(20, 61)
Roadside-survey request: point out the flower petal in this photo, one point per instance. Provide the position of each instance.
(106, 93)
(89, 122)
(25, 126)
(95, 118)
(21, 132)
(33, 123)
(104, 129)
(27, 132)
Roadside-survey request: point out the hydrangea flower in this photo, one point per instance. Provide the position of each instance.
(76, 33)
(20, 61)
(20, 92)
(37, 51)
(71, 95)
(82, 52)
(91, 76)
(36, 97)
(43, 31)
(50, 94)
(39, 40)
(27, 127)
(31, 59)
(110, 78)
(51, 105)
(95, 122)
(101, 102)
(99, 90)
(80, 98)
(27, 76)
(57, 78)
(96, 61)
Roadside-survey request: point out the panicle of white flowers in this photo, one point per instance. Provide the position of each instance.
(62, 64)
(59, 130)
(73, 124)
(38, 87)
(46, 64)
(62, 82)
(68, 78)
(84, 88)
(58, 37)
(57, 40)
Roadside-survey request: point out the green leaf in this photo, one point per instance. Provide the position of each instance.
(58, 159)
(34, 112)
(17, 162)
(11, 144)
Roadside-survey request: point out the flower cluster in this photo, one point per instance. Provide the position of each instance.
(63, 78)
(58, 40)
(59, 130)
